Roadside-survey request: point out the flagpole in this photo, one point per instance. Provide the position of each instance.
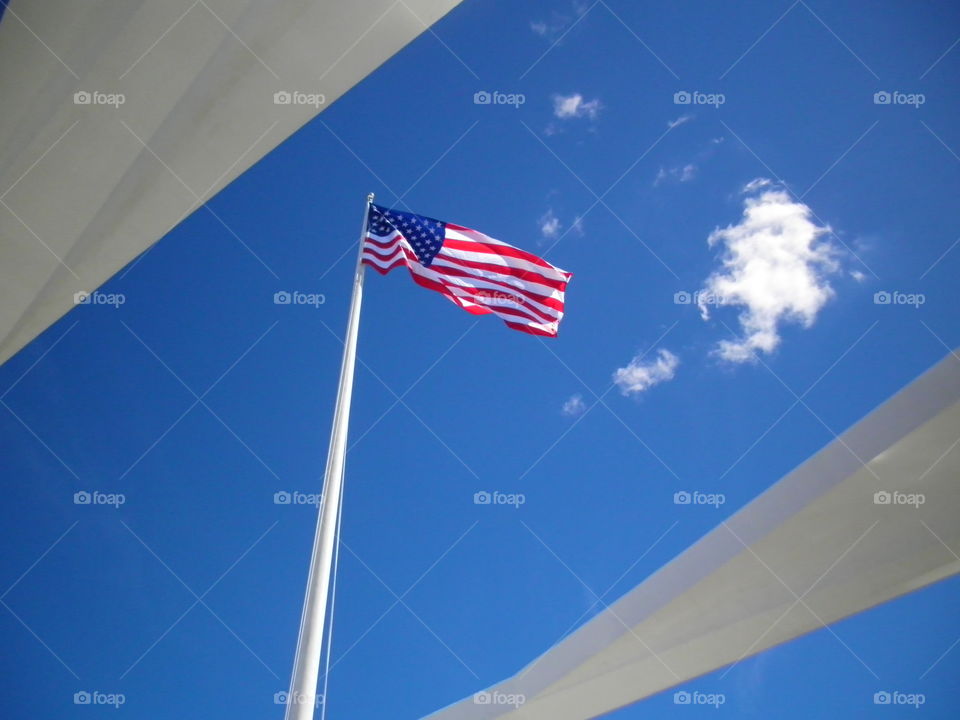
(301, 700)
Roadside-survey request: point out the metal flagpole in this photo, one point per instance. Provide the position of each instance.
(301, 700)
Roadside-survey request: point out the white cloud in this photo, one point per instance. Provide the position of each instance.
(679, 121)
(682, 174)
(574, 106)
(574, 406)
(774, 266)
(558, 21)
(638, 375)
(550, 225)
(756, 184)
(686, 172)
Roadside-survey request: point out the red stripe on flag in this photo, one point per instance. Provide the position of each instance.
(529, 329)
(388, 268)
(371, 240)
(504, 250)
(378, 256)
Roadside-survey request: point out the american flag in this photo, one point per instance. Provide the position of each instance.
(475, 272)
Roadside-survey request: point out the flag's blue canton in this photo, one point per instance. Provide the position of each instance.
(424, 234)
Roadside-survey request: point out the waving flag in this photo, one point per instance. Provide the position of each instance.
(476, 272)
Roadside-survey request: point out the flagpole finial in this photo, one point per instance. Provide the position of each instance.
(369, 197)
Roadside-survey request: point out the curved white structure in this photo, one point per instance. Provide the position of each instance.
(176, 99)
(818, 546)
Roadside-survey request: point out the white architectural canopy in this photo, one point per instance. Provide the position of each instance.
(121, 117)
(843, 532)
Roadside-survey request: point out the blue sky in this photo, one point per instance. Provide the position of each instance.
(198, 398)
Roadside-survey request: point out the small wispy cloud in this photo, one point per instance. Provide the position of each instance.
(774, 267)
(566, 107)
(574, 406)
(682, 174)
(550, 225)
(540, 27)
(639, 376)
(679, 121)
(558, 22)
(685, 172)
